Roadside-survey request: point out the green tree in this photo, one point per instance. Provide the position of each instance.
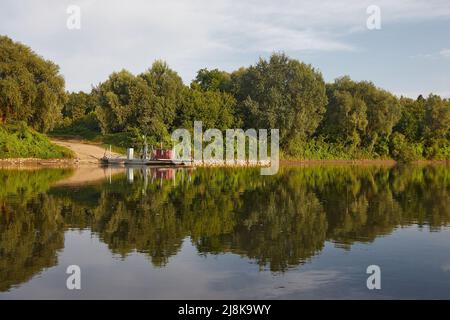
(437, 117)
(346, 117)
(78, 105)
(125, 101)
(281, 93)
(167, 87)
(436, 128)
(31, 88)
(213, 108)
(358, 102)
(412, 121)
(213, 80)
(383, 112)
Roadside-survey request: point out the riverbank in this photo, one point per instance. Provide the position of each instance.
(83, 154)
(89, 153)
(93, 162)
(37, 162)
(19, 143)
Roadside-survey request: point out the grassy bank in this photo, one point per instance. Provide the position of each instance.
(20, 141)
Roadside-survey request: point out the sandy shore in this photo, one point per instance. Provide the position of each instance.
(85, 153)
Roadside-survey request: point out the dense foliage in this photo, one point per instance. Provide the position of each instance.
(31, 88)
(345, 119)
(281, 93)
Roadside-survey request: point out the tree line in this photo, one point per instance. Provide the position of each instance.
(342, 119)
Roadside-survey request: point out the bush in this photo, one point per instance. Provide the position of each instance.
(403, 150)
(20, 141)
(86, 127)
(318, 149)
(438, 149)
(120, 141)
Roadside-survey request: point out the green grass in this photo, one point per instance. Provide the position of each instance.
(20, 141)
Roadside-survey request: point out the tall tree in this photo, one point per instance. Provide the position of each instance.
(214, 79)
(346, 117)
(412, 121)
(281, 93)
(437, 117)
(78, 104)
(167, 87)
(124, 102)
(372, 112)
(31, 88)
(214, 108)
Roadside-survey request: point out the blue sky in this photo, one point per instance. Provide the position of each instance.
(409, 55)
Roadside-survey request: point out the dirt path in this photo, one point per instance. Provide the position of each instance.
(85, 153)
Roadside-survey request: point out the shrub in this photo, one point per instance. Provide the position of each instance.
(403, 150)
(20, 141)
(438, 149)
(86, 127)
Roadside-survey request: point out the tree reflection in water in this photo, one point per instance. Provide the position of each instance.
(278, 221)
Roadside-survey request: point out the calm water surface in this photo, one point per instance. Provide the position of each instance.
(307, 232)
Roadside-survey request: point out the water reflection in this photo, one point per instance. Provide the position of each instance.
(277, 221)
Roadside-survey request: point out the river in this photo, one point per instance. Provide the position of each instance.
(226, 233)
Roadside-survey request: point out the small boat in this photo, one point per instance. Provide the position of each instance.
(108, 159)
(112, 161)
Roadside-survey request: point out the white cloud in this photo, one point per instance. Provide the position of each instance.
(191, 34)
(445, 53)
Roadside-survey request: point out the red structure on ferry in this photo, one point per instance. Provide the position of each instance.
(164, 154)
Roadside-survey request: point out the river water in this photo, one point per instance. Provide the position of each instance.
(207, 233)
